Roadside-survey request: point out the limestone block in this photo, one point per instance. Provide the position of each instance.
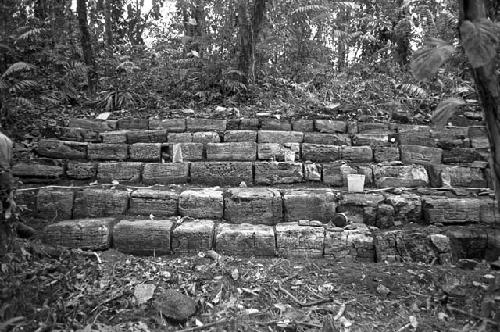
(274, 124)
(352, 127)
(276, 151)
(233, 124)
(278, 172)
(320, 152)
(349, 244)
(165, 173)
(458, 176)
(488, 211)
(102, 151)
(92, 234)
(469, 242)
(253, 205)
(312, 171)
(415, 135)
(171, 125)
(452, 137)
(52, 148)
(240, 136)
(330, 126)
(437, 209)
(120, 171)
(312, 204)
(55, 204)
(97, 202)
(403, 128)
(416, 154)
(385, 216)
(26, 201)
(461, 156)
(193, 236)
(202, 204)
(293, 240)
(281, 137)
(146, 136)
(327, 139)
(371, 140)
(133, 123)
(222, 173)
(479, 137)
(412, 176)
(189, 151)
(145, 151)
(35, 169)
(78, 134)
(180, 137)
(205, 125)
(114, 137)
(303, 125)
(360, 207)
(407, 208)
(385, 153)
(94, 125)
(232, 151)
(143, 237)
(373, 128)
(358, 154)
(249, 124)
(245, 240)
(206, 137)
(153, 202)
(335, 174)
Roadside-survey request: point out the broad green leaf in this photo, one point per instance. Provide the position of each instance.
(428, 59)
(479, 40)
(445, 110)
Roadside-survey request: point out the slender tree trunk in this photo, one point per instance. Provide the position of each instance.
(58, 26)
(488, 88)
(85, 40)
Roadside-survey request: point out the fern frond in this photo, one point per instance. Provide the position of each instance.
(309, 8)
(23, 102)
(3, 84)
(341, 35)
(413, 90)
(18, 67)
(51, 100)
(35, 32)
(24, 85)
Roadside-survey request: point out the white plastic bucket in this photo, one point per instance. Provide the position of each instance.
(355, 182)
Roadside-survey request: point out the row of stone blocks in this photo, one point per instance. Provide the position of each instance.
(259, 205)
(355, 242)
(259, 173)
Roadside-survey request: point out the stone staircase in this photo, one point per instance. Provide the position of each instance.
(264, 187)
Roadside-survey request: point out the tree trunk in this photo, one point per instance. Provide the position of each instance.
(108, 26)
(85, 40)
(488, 88)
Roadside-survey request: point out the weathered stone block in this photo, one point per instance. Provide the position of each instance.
(360, 207)
(452, 137)
(276, 151)
(94, 125)
(461, 156)
(146, 136)
(352, 127)
(153, 202)
(335, 174)
(312, 204)
(416, 154)
(180, 137)
(206, 137)
(114, 137)
(373, 128)
(312, 171)
(194, 236)
(303, 125)
(350, 244)
(245, 240)
(221, 173)
(385, 153)
(479, 137)
(121, 171)
(232, 151)
(38, 170)
(253, 205)
(55, 204)
(410, 176)
(357, 154)
(202, 204)
(249, 124)
(407, 207)
(278, 172)
(78, 134)
(488, 211)
(330, 126)
(320, 152)
(26, 201)
(275, 124)
(327, 139)
(131, 123)
(97, 151)
(145, 151)
(62, 149)
(205, 125)
(171, 125)
(96, 202)
(233, 124)
(451, 210)
(371, 140)
(165, 173)
(468, 242)
(458, 176)
(93, 234)
(189, 151)
(281, 137)
(293, 240)
(240, 136)
(143, 237)
(415, 135)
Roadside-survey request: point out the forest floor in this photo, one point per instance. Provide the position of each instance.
(45, 289)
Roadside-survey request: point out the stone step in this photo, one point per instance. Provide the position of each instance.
(263, 205)
(355, 242)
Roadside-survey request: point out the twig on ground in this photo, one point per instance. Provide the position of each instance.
(320, 301)
(340, 313)
(290, 295)
(470, 314)
(107, 301)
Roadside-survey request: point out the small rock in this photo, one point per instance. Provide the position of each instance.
(311, 223)
(401, 116)
(382, 290)
(442, 316)
(340, 220)
(175, 305)
(144, 292)
(187, 111)
(467, 264)
(441, 241)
